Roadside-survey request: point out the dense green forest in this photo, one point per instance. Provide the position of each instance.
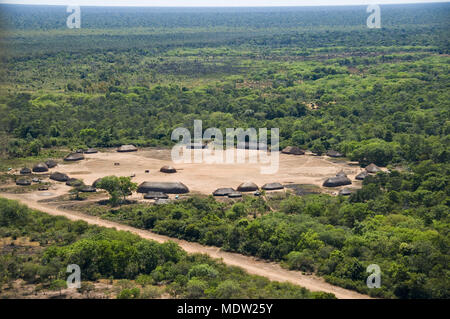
(149, 268)
(399, 221)
(319, 74)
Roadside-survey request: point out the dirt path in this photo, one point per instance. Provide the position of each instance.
(272, 271)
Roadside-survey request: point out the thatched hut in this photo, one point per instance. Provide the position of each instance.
(90, 151)
(361, 176)
(23, 182)
(234, 195)
(333, 153)
(156, 195)
(59, 177)
(73, 157)
(293, 150)
(73, 182)
(51, 163)
(25, 171)
(40, 168)
(127, 148)
(345, 192)
(373, 169)
(337, 181)
(247, 187)
(272, 186)
(87, 189)
(223, 191)
(164, 187)
(43, 188)
(168, 169)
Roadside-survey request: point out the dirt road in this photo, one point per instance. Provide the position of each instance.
(272, 271)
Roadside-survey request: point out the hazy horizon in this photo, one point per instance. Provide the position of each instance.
(216, 3)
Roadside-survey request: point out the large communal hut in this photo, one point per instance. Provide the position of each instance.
(164, 187)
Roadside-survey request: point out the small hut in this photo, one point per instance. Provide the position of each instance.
(361, 176)
(234, 195)
(51, 163)
(87, 189)
(73, 157)
(223, 191)
(127, 148)
(333, 153)
(43, 188)
(23, 182)
(73, 182)
(337, 181)
(40, 168)
(90, 151)
(247, 187)
(164, 187)
(272, 186)
(25, 171)
(373, 169)
(168, 169)
(345, 192)
(293, 150)
(59, 177)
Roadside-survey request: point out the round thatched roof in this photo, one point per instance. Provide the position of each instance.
(372, 168)
(51, 163)
(74, 157)
(168, 169)
(247, 187)
(87, 189)
(59, 177)
(156, 195)
(293, 150)
(234, 195)
(345, 192)
(74, 182)
(25, 171)
(164, 187)
(337, 181)
(90, 151)
(23, 182)
(272, 186)
(223, 191)
(361, 176)
(40, 168)
(127, 148)
(333, 153)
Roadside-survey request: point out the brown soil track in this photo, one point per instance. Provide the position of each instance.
(272, 271)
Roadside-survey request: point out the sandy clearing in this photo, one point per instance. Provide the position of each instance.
(272, 271)
(202, 177)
